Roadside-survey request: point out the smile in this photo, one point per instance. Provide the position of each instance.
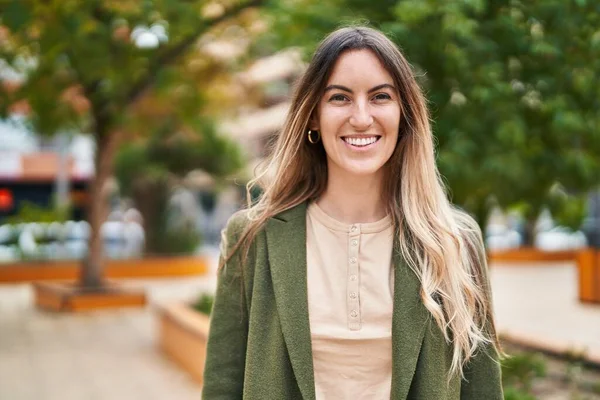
(361, 141)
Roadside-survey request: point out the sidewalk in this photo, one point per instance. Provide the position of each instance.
(103, 355)
(112, 355)
(538, 305)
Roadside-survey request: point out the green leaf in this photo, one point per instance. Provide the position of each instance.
(16, 15)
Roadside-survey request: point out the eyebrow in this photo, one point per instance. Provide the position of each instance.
(345, 89)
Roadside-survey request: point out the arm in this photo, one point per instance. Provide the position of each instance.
(483, 374)
(226, 350)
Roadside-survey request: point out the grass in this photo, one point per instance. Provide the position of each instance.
(529, 375)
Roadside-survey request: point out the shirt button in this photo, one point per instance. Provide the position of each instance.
(353, 314)
(353, 228)
(353, 260)
(352, 295)
(354, 242)
(352, 277)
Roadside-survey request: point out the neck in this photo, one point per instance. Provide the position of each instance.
(353, 199)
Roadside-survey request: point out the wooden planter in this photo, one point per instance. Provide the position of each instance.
(148, 267)
(183, 334)
(588, 266)
(529, 254)
(66, 297)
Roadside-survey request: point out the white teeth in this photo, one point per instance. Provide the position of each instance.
(360, 141)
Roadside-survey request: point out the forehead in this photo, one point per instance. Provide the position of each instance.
(359, 67)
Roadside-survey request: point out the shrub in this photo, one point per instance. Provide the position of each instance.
(204, 304)
(30, 212)
(521, 369)
(512, 393)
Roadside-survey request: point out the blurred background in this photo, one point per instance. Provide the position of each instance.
(128, 130)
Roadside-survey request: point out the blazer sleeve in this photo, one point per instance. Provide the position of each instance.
(483, 373)
(226, 349)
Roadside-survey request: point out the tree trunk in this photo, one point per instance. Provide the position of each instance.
(529, 232)
(150, 196)
(92, 274)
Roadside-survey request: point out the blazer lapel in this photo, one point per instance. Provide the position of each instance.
(408, 326)
(286, 244)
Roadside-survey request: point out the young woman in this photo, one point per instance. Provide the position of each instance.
(353, 277)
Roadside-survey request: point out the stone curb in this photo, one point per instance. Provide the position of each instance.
(559, 348)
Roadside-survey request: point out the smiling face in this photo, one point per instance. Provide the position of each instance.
(358, 115)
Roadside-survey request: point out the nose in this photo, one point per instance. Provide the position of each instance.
(361, 118)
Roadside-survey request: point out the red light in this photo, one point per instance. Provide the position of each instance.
(6, 200)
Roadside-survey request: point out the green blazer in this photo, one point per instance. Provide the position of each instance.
(259, 345)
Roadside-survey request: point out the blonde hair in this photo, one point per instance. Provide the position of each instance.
(440, 243)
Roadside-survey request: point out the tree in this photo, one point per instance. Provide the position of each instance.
(513, 89)
(85, 68)
(149, 169)
(510, 104)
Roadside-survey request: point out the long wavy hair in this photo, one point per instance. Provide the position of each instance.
(440, 243)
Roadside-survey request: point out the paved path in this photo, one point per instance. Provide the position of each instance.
(539, 304)
(112, 355)
(102, 355)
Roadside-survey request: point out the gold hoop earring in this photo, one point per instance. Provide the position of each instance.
(310, 138)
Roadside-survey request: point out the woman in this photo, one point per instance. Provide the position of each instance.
(353, 277)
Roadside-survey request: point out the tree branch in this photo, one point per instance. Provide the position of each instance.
(102, 15)
(171, 55)
(89, 89)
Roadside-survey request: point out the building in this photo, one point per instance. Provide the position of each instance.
(30, 168)
(269, 79)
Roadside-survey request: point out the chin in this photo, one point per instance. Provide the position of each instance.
(363, 169)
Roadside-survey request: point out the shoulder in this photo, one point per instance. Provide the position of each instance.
(234, 228)
(237, 223)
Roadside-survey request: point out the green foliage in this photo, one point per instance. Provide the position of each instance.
(519, 371)
(165, 154)
(151, 191)
(203, 148)
(573, 372)
(30, 212)
(130, 160)
(204, 304)
(83, 68)
(80, 67)
(567, 210)
(512, 393)
(515, 78)
(299, 24)
(178, 240)
(148, 169)
(512, 86)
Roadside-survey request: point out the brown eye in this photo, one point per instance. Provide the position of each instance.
(382, 96)
(338, 98)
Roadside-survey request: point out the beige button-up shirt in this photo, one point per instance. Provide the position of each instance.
(350, 303)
